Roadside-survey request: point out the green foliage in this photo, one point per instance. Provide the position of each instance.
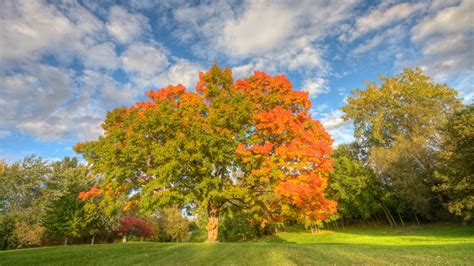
(21, 185)
(235, 225)
(397, 124)
(455, 173)
(409, 104)
(171, 226)
(22, 202)
(7, 232)
(28, 235)
(201, 149)
(65, 216)
(355, 187)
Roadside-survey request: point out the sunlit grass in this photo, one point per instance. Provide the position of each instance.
(427, 245)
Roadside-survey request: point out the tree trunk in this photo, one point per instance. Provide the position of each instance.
(65, 241)
(93, 239)
(416, 217)
(212, 223)
(401, 219)
(389, 215)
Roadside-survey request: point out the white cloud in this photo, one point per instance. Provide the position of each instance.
(242, 71)
(144, 59)
(447, 47)
(29, 28)
(341, 131)
(450, 20)
(380, 17)
(183, 71)
(261, 28)
(392, 36)
(101, 56)
(274, 36)
(126, 26)
(112, 93)
(315, 87)
(32, 94)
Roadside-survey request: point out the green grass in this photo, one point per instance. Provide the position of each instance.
(426, 245)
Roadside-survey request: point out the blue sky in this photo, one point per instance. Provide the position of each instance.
(64, 64)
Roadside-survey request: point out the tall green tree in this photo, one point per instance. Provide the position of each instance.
(22, 202)
(355, 187)
(409, 104)
(455, 172)
(65, 216)
(21, 185)
(397, 123)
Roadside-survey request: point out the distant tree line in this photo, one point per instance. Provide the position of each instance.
(50, 203)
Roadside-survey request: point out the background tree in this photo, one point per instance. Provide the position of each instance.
(98, 219)
(409, 104)
(248, 143)
(22, 201)
(398, 124)
(172, 225)
(455, 174)
(354, 187)
(65, 215)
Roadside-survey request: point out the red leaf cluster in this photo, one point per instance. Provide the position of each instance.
(135, 226)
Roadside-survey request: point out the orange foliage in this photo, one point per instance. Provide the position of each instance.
(92, 193)
(297, 159)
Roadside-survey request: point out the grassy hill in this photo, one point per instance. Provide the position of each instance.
(418, 245)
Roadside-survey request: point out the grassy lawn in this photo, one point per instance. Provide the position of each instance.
(426, 245)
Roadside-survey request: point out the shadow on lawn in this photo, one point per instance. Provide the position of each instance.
(273, 239)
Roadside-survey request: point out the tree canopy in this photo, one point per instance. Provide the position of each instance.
(251, 143)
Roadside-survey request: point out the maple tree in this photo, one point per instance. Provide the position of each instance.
(250, 143)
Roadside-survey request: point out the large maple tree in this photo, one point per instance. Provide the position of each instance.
(250, 143)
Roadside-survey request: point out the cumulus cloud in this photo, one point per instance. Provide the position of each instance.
(101, 56)
(261, 28)
(451, 20)
(275, 36)
(58, 66)
(126, 26)
(182, 71)
(380, 17)
(341, 131)
(35, 93)
(144, 59)
(29, 28)
(315, 87)
(446, 46)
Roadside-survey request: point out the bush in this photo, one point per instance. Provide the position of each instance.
(28, 235)
(170, 226)
(7, 232)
